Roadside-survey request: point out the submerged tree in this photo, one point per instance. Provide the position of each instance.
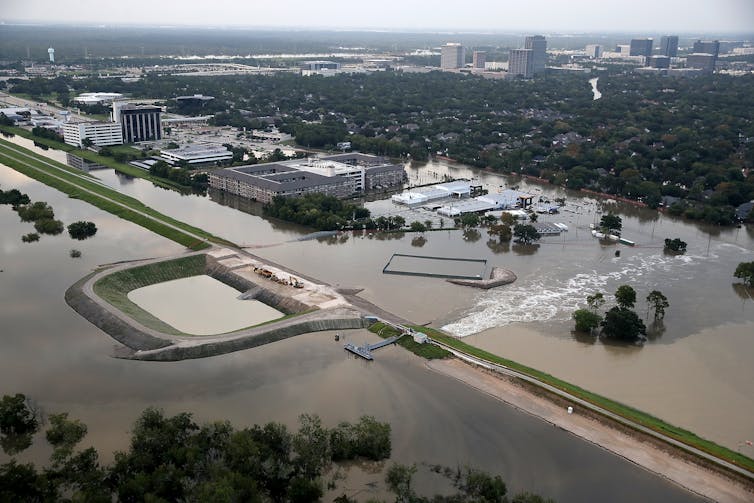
(625, 296)
(586, 320)
(675, 245)
(611, 223)
(745, 272)
(658, 303)
(622, 323)
(525, 234)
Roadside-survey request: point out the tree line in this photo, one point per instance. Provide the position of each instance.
(174, 458)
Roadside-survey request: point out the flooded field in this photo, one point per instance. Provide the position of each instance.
(201, 305)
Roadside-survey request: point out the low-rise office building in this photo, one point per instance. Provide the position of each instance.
(101, 134)
(197, 155)
(341, 175)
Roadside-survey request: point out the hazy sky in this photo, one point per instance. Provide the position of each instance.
(639, 16)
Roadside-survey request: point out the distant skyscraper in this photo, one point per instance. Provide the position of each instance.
(669, 46)
(659, 62)
(641, 47)
(538, 46)
(479, 59)
(520, 62)
(594, 50)
(707, 47)
(51, 52)
(703, 61)
(453, 56)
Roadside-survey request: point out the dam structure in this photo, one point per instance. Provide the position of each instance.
(105, 298)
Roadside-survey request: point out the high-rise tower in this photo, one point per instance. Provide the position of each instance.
(538, 46)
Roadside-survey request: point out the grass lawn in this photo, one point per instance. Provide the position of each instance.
(114, 287)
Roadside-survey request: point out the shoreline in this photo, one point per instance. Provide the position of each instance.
(660, 459)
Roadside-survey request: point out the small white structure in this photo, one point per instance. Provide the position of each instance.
(419, 337)
(457, 189)
(97, 98)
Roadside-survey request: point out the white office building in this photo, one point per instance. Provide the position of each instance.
(197, 154)
(101, 134)
(453, 56)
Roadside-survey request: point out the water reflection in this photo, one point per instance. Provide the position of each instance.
(418, 241)
(497, 246)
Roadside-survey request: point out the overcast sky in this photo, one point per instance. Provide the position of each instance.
(639, 16)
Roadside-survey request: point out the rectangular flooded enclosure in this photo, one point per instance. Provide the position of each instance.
(201, 305)
(439, 267)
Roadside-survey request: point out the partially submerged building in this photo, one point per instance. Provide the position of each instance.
(341, 175)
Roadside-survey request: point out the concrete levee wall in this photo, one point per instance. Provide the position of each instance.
(274, 334)
(106, 321)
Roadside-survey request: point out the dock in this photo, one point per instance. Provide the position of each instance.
(365, 351)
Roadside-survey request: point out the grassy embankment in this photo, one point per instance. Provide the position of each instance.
(99, 159)
(114, 287)
(72, 183)
(625, 411)
(428, 351)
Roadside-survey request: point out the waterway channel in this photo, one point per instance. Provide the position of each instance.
(696, 373)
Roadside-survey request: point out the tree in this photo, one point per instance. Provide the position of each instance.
(30, 237)
(483, 487)
(35, 211)
(525, 233)
(596, 301)
(625, 296)
(469, 220)
(622, 323)
(657, 302)
(745, 271)
(503, 232)
(82, 230)
(586, 320)
(611, 224)
(508, 219)
(675, 245)
(398, 479)
(87, 142)
(417, 226)
(19, 421)
(48, 226)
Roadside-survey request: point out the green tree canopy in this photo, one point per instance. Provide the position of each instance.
(745, 272)
(625, 296)
(525, 233)
(611, 223)
(622, 323)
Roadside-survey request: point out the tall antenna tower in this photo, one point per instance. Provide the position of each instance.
(51, 52)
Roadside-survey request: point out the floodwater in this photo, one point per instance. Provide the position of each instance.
(60, 360)
(597, 94)
(175, 302)
(707, 305)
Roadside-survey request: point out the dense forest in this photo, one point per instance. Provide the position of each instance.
(685, 142)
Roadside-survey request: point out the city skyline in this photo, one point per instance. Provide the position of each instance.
(725, 16)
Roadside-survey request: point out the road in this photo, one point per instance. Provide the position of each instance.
(14, 101)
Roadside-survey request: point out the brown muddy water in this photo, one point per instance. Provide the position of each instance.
(696, 373)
